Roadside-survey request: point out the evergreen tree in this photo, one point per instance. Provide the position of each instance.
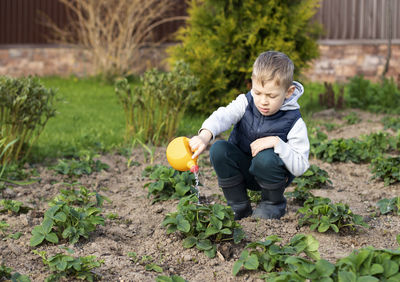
(222, 39)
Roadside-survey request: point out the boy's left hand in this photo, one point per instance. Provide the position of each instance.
(262, 144)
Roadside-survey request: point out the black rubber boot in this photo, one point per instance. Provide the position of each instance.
(273, 203)
(236, 195)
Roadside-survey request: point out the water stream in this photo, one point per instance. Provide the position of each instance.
(196, 186)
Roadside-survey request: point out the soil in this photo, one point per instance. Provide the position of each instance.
(138, 226)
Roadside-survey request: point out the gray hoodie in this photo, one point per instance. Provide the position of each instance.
(294, 153)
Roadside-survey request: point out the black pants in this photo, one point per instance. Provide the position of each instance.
(228, 161)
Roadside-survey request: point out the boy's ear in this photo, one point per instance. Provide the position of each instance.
(290, 91)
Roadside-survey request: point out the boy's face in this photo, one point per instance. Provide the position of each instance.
(269, 98)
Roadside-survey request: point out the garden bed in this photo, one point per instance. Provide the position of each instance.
(137, 226)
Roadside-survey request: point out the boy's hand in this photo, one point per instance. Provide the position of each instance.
(199, 142)
(262, 144)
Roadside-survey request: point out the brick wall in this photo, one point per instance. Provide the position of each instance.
(336, 62)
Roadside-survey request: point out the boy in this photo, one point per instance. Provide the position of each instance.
(268, 146)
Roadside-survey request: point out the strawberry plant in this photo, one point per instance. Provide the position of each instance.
(80, 197)
(352, 149)
(391, 122)
(145, 260)
(78, 167)
(313, 178)
(168, 183)
(12, 206)
(322, 215)
(369, 264)
(203, 226)
(386, 169)
(352, 118)
(389, 205)
(172, 278)
(6, 273)
(270, 257)
(62, 221)
(3, 227)
(299, 194)
(62, 265)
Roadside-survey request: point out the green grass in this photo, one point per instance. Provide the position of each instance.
(89, 117)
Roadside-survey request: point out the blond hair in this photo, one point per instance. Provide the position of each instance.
(272, 65)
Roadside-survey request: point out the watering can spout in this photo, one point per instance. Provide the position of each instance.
(179, 155)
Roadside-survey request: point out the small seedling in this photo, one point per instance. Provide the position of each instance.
(352, 118)
(389, 205)
(12, 206)
(78, 167)
(6, 273)
(172, 278)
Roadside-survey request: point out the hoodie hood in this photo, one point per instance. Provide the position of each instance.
(291, 103)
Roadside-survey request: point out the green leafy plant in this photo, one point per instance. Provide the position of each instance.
(76, 168)
(270, 257)
(12, 206)
(172, 278)
(4, 227)
(6, 273)
(62, 265)
(203, 225)
(323, 215)
(145, 260)
(389, 205)
(377, 97)
(79, 197)
(365, 149)
(352, 118)
(313, 178)
(62, 221)
(25, 107)
(392, 122)
(225, 37)
(154, 108)
(168, 183)
(299, 194)
(386, 169)
(369, 264)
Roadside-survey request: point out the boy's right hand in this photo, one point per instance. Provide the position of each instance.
(199, 142)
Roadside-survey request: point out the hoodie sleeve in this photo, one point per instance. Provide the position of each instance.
(294, 153)
(224, 117)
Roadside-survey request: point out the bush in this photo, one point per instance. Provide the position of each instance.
(25, 107)
(379, 97)
(154, 108)
(222, 39)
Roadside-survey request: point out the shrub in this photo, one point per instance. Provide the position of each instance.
(222, 39)
(154, 108)
(25, 107)
(379, 97)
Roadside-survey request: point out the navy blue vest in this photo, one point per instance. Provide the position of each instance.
(254, 125)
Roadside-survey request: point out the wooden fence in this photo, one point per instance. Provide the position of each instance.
(343, 20)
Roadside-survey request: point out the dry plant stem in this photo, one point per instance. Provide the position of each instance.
(114, 31)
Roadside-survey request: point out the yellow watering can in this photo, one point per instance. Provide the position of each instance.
(179, 155)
